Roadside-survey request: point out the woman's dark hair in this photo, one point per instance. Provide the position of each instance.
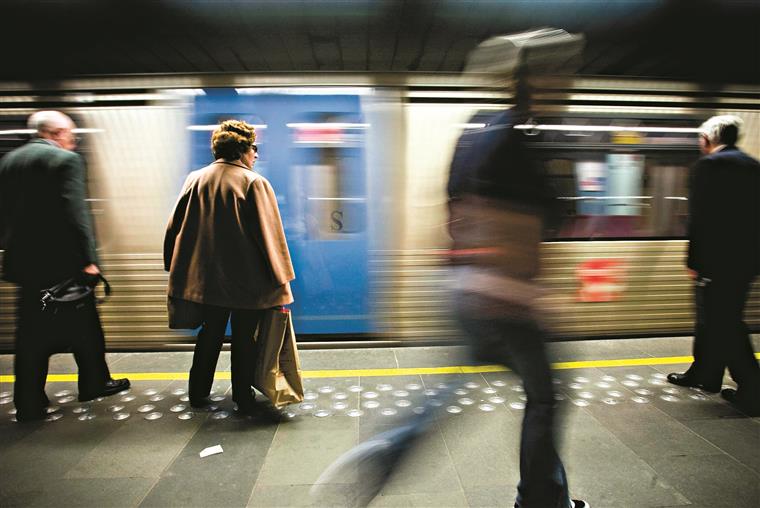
(232, 139)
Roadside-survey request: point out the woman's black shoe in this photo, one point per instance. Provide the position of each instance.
(110, 387)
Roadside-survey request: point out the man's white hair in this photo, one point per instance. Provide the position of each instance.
(42, 121)
(722, 130)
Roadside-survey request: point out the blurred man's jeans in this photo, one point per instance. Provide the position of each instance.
(519, 345)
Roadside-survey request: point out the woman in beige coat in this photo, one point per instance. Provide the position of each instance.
(225, 249)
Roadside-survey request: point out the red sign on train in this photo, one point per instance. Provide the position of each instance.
(601, 280)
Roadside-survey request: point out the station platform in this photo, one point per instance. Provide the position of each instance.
(628, 438)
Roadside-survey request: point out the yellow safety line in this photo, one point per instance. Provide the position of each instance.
(412, 371)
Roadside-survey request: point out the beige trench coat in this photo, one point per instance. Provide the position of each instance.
(225, 244)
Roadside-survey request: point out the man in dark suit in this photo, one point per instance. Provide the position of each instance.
(723, 259)
(46, 231)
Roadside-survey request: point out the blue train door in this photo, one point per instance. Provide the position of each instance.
(312, 150)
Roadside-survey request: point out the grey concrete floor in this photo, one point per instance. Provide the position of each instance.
(627, 438)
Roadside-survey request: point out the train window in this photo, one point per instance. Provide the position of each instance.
(623, 195)
(331, 175)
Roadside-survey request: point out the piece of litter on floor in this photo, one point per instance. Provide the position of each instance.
(211, 450)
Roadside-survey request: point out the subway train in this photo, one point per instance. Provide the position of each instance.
(359, 164)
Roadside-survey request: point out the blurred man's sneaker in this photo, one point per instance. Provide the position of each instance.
(373, 459)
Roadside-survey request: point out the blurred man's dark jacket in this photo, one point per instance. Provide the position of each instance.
(499, 202)
(46, 228)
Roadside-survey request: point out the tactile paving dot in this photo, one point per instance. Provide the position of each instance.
(62, 400)
(586, 395)
(146, 408)
(413, 386)
(219, 415)
(184, 398)
(418, 410)
(120, 416)
(630, 383)
(614, 393)
(150, 391)
(52, 409)
(669, 398)
(461, 391)
(322, 413)
(518, 388)
(355, 388)
(80, 409)
(486, 407)
(177, 408)
(127, 398)
(642, 391)
(340, 405)
(153, 416)
(310, 396)
(86, 417)
(306, 406)
(580, 379)
(698, 396)
(499, 383)
(216, 398)
(115, 408)
(156, 398)
(517, 405)
(430, 393)
(370, 395)
(326, 389)
(611, 401)
(608, 379)
(371, 404)
(454, 410)
(62, 393)
(559, 396)
(388, 411)
(497, 399)
(400, 393)
(185, 416)
(354, 413)
(580, 402)
(471, 385)
(403, 403)
(465, 401)
(178, 391)
(489, 390)
(602, 384)
(54, 417)
(640, 400)
(442, 386)
(634, 377)
(384, 387)
(340, 396)
(576, 386)
(671, 391)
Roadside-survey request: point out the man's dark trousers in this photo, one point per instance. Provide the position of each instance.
(40, 334)
(722, 338)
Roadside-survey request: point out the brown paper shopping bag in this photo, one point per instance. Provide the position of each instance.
(278, 370)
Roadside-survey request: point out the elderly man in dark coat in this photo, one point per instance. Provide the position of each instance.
(46, 232)
(724, 258)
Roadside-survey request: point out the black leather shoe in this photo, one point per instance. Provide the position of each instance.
(110, 387)
(749, 409)
(686, 380)
(31, 416)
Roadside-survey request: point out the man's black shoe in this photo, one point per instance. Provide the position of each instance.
(110, 387)
(686, 380)
(31, 416)
(749, 409)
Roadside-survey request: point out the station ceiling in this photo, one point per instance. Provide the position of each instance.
(713, 41)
